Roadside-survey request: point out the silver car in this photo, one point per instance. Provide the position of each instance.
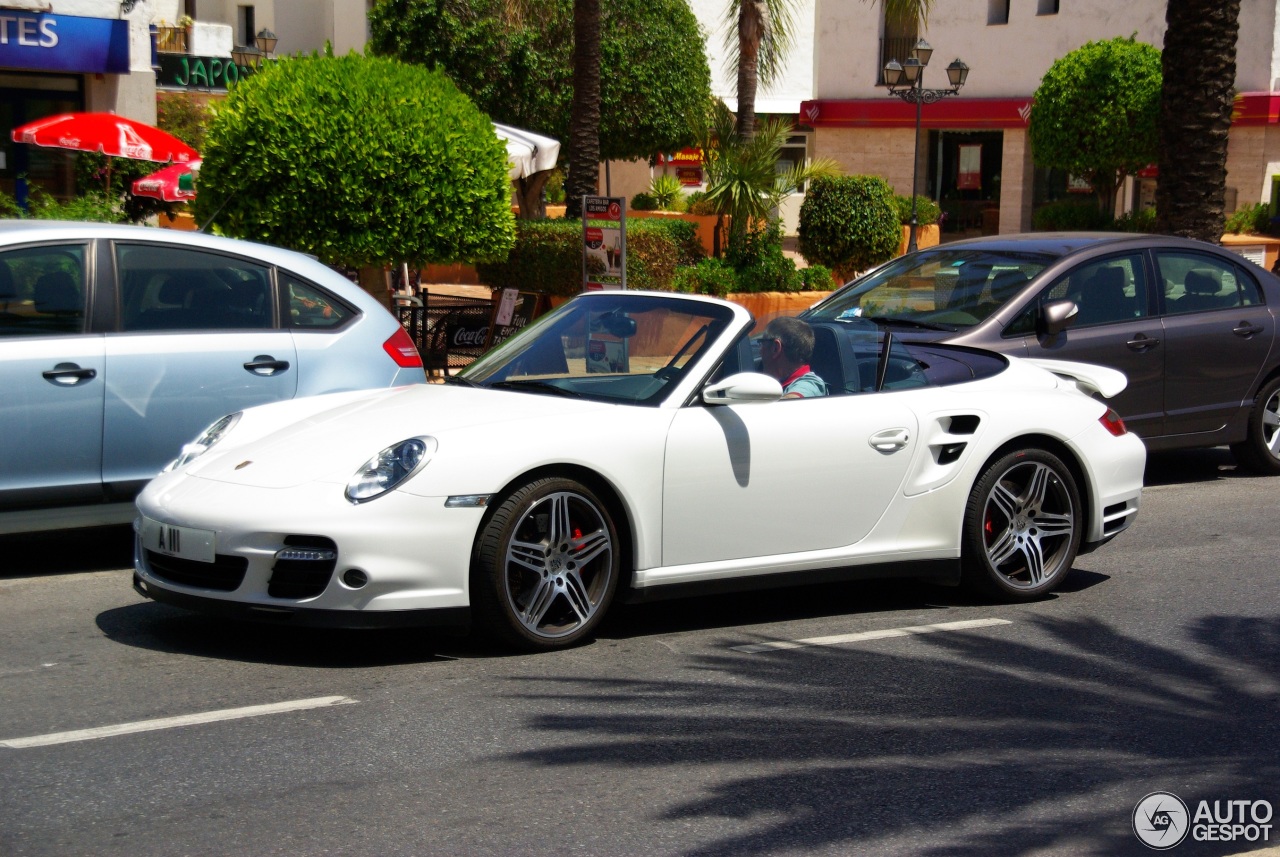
(118, 344)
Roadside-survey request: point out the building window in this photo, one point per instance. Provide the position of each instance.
(1047, 7)
(997, 12)
(246, 26)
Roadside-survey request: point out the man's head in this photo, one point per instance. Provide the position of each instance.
(787, 344)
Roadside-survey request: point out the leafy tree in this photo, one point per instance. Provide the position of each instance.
(1195, 116)
(1095, 114)
(759, 35)
(515, 60)
(358, 160)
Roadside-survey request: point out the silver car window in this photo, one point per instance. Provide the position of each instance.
(177, 288)
(42, 291)
(1198, 283)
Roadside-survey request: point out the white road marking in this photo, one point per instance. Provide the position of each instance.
(870, 635)
(171, 722)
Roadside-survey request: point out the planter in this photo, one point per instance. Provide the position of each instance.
(1254, 247)
(766, 306)
(926, 236)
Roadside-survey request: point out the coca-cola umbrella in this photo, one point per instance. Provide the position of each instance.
(105, 133)
(168, 184)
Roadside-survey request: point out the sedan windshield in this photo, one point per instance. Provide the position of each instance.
(615, 348)
(938, 289)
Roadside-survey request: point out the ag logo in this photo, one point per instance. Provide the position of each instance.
(1160, 820)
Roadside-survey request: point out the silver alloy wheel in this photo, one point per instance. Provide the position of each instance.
(558, 565)
(1271, 424)
(1028, 524)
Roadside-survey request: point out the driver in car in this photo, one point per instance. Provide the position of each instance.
(785, 349)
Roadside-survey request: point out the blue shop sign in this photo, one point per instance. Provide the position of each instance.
(39, 40)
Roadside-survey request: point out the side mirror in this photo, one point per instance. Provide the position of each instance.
(617, 324)
(741, 388)
(1056, 316)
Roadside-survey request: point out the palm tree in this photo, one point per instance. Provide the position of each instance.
(584, 115)
(743, 181)
(1199, 64)
(759, 36)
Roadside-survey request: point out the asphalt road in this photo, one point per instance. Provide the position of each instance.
(1035, 731)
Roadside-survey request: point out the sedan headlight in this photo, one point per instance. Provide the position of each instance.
(389, 468)
(202, 444)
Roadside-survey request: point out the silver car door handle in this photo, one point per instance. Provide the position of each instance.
(265, 364)
(890, 440)
(1142, 342)
(1246, 329)
(68, 374)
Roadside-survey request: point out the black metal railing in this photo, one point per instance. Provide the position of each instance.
(894, 48)
(449, 331)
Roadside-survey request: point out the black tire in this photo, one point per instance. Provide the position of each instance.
(545, 567)
(1022, 526)
(1260, 450)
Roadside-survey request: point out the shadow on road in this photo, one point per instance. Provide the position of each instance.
(993, 746)
(1194, 465)
(66, 552)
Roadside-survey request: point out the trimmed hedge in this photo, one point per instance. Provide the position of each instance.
(1251, 220)
(547, 256)
(1069, 215)
(849, 223)
(927, 211)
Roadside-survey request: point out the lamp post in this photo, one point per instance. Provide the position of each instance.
(253, 55)
(906, 80)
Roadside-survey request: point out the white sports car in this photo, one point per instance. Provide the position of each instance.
(624, 446)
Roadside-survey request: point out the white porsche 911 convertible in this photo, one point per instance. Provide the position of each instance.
(626, 446)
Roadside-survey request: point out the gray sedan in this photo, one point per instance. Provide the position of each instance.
(1192, 326)
(119, 344)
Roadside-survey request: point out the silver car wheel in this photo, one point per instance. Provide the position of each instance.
(559, 565)
(1271, 424)
(1028, 525)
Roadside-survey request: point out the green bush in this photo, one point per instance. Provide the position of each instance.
(708, 277)
(643, 201)
(1070, 215)
(761, 264)
(697, 203)
(667, 193)
(94, 207)
(1250, 220)
(927, 211)
(849, 223)
(817, 278)
(547, 256)
(1136, 221)
(377, 162)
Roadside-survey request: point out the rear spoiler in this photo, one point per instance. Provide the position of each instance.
(1089, 377)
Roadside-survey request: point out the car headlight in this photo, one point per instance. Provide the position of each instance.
(389, 468)
(202, 444)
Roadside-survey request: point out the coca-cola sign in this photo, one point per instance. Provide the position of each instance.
(463, 336)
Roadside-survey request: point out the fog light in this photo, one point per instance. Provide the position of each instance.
(354, 578)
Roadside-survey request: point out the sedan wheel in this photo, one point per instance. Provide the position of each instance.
(546, 566)
(1260, 451)
(1022, 526)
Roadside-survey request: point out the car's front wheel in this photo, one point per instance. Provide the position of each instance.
(545, 566)
(1260, 450)
(1022, 526)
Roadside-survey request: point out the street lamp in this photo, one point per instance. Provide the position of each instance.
(253, 55)
(906, 80)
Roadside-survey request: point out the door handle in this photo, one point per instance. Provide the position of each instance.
(1142, 342)
(1246, 329)
(68, 374)
(890, 440)
(266, 365)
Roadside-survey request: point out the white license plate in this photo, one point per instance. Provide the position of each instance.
(183, 542)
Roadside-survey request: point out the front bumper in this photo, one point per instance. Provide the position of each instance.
(412, 554)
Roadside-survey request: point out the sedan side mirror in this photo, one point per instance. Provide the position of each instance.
(1056, 316)
(742, 387)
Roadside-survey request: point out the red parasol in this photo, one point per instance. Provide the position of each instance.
(166, 184)
(115, 136)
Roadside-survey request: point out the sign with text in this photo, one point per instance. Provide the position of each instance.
(970, 173)
(202, 74)
(512, 313)
(604, 243)
(46, 42)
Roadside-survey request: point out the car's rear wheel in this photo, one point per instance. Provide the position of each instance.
(546, 566)
(1260, 450)
(1022, 526)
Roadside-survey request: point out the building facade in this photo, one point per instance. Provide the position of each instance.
(110, 56)
(974, 155)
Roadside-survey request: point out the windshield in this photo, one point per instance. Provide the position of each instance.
(940, 289)
(623, 348)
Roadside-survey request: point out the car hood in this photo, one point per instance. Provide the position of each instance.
(330, 443)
